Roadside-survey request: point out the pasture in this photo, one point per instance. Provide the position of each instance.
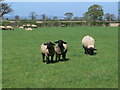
(22, 65)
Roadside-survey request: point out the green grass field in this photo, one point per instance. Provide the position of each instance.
(23, 66)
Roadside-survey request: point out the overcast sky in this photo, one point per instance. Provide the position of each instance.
(59, 8)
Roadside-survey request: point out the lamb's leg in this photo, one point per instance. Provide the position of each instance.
(59, 57)
(56, 57)
(85, 49)
(64, 56)
(47, 59)
(43, 56)
(52, 58)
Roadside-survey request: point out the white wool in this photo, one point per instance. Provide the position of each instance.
(29, 29)
(57, 49)
(34, 26)
(2, 26)
(88, 41)
(21, 27)
(8, 26)
(28, 25)
(44, 49)
(65, 46)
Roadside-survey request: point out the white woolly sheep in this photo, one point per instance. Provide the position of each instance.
(47, 49)
(2, 28)
(28, 25)
(33, 26)
(24, 26)
(88, 44)
(28, 29)
(9, 28)
(60, 49)
(21, 27)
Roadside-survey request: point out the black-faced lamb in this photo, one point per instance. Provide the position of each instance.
(61, 49)
(47, 49)
(88, 44)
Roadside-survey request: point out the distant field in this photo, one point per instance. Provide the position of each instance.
(23, 67)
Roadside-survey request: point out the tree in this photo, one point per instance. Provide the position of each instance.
(48, 19)
(69, 16)
(55, 18)
(17, 17)
(33, 15)
(86, 17)
(5, 9)
(44, 17)
(76, 18)
(109, 17)
(113, 17)
(119, 10)
(95, 12)
(81, 19)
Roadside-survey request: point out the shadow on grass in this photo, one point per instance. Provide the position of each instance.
(61, 60)
(95, 53)
(91, 54)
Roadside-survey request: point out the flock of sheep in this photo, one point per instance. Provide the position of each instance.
(27, 27)
(48, 49)
(6, 28)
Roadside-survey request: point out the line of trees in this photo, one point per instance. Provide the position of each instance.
(86, 17)
(94, 13)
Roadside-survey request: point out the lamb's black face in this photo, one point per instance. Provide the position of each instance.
(60, 43)
(91, 51)
(49, 45)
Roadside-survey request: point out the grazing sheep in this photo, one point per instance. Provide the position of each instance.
(33, 26)
(24, 26)
(28, 25)
(47, 49)
(21, 27)
(63, 25)
(28, 29)
(9, 28)
(2, 28)
(88, 44)
(60, 49)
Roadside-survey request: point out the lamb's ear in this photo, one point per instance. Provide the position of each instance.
(45, 44)
(53, 44)
(64, 42)
(56, 42)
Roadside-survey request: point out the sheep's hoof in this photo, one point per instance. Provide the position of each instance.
(47, 62)
(64, 59)
(55, 60)
(52, 61)
(43, 61)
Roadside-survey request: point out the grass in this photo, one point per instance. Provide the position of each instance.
(23, 67)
